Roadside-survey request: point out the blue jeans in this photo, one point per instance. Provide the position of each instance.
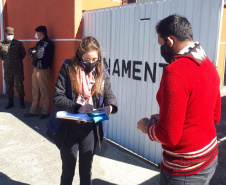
(83, 138)
(201, 178)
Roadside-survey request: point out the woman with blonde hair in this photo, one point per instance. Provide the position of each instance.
(82, 85)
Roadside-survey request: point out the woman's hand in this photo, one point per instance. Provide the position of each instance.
(85, 108)
(108, 109)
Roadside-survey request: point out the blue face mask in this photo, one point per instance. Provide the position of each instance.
(88, 66)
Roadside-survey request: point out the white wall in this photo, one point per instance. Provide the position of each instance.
(127, 33)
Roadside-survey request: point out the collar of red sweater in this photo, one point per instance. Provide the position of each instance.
(192, 51)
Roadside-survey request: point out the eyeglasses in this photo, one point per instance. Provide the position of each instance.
(88, 60)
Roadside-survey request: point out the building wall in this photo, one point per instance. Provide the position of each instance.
(2, 36)
(63, 21)
(222, 53)
(222, 49)
(131, 50)
(97, 4)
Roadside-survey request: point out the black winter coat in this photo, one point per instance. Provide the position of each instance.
(65, 100)
(43, 56)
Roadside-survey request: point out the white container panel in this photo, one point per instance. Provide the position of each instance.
(130, 46)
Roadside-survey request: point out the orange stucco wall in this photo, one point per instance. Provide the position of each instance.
(1, 79)
(63, 21)
(97, 4)
(221, 60)
(26, 15)
(58, 17)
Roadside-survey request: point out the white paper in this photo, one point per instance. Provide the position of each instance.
(67, 115)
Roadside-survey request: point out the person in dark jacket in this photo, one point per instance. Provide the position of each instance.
(82, 85)
(42, 55)
(12, 52)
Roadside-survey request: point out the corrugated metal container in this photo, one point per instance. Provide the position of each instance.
(130, 48)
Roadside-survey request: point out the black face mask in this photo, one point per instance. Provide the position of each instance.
(88, 67)
(167, 52)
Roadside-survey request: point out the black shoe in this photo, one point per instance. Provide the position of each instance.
(10, 103)
(22, 105)
(43, 116)
(30, 115)
(50, 135)
(9, 106)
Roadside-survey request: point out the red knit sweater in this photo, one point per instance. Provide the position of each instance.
(189, 101)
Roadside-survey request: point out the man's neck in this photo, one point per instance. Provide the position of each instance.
(182, 45)
(42, 38)
(9, 41)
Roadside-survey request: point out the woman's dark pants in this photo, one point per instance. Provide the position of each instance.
(80, 137)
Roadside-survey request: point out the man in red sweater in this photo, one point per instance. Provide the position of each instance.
(190, 106)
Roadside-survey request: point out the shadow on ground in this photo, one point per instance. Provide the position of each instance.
(33, 122)
(101, 182)
(6, 180)
(40, 127)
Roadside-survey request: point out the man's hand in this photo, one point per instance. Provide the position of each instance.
(154, 118)
(143, 125)
(108, 109)
(85, 108)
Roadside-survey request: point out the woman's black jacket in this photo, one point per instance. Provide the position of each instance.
(65, 100)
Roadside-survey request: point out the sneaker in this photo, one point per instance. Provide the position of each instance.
(30, 115)
(43, 116)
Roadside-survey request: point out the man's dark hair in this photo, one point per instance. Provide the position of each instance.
(175, 25)
(41, 29)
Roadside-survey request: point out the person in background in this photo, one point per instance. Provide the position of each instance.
(83, 84)
(190, 107)
(42, 55)
(12, 52)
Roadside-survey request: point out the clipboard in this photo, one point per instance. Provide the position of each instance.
(96, 116)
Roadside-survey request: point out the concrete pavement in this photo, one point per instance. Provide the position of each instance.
(28, 157)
